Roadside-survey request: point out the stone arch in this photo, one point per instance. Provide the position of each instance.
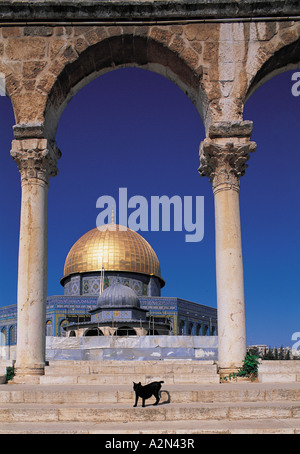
(117, 49)
(280, 53)
(288, 57)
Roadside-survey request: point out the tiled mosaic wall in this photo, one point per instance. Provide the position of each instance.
(89, 285)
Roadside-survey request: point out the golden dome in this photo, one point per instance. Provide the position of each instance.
(116, 249)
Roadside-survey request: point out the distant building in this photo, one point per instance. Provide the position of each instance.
(100, 259)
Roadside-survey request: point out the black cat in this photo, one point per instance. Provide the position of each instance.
(152, 389)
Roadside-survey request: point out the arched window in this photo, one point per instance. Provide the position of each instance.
(49, 328)
(3, 337)
(191, 329)
(198, 329)
(12, 335)
(182, 328)
(93, 332)
(62, 331)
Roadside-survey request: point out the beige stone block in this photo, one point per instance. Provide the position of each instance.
(198, 412)
(277, 377)
(125, 396)
(258, 412)
(8, 32)
(238, 31)
(181, 396)
(295, 412)
(28, 413)
(191, 57)
(79, 370)
(226, 71)
(80, 45)
(4, 396)
(161, 34)
(32, 68)
(45, 83)
(105, 397)
(55, 46)
(96, 35)
(202, 32)
(53, 380)
(29, 107)
(27, 48)
(177, 44)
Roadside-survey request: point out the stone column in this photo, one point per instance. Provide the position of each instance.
(36, 159)
(224, 163)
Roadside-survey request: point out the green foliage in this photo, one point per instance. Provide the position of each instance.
(250, 366)
(249, 369)
(10, 373)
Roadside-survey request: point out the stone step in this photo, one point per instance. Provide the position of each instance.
(125, 413)
(123, 372)
(60, 394)
(118, 379)
(129, 363)
(128, 367)
(245, 426)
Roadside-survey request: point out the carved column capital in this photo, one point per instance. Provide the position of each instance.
(224, 164)
(36, 158)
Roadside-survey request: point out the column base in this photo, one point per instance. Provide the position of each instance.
(30, 375)
(224, 372)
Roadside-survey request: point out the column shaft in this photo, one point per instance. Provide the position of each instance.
(32, 278)
(230, 280)
(36, 160)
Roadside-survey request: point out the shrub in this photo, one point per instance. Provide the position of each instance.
(250, 366)
(10, 373)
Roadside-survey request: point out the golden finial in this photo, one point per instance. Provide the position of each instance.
(112, 216)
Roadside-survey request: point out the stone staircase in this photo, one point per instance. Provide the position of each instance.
(68, 402)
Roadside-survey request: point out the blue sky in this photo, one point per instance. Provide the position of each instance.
(135, 129)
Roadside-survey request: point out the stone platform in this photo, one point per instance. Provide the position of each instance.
(67, 401)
